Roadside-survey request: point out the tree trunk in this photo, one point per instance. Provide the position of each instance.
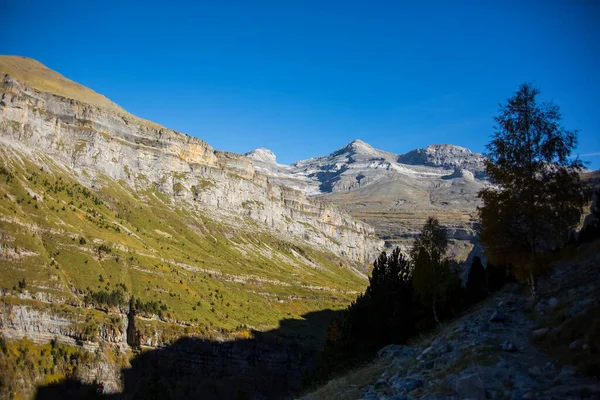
(532, 285)
(437, 321)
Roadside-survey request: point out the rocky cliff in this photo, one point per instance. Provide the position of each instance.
(508, 347)
(117, 233)
(99, 140)
(393, 193)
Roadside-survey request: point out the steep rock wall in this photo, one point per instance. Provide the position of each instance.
(95, 142)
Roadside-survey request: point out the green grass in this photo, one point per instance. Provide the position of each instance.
(212, 275)
(26, 365)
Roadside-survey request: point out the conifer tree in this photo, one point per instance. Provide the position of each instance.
(431, 269)
(476, 284)
(495, 276)
(537, 194)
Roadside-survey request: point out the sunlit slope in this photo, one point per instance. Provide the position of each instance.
(44, 79)
(69, 241)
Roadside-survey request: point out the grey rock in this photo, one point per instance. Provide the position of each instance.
(453, 175)
(396, 351)
(407, 384)
(576, 345)
(550, 369)
(539, 334)
(470, 386)
(428, 352)
(541, 307)
(517, 395)
(262, 155)
(508, 347)
(498, 316)
(446, 156)
(553, 302)
(123, 147)
(566, 372)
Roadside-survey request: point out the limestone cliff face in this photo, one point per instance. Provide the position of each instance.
(95, 141)
(41, 326)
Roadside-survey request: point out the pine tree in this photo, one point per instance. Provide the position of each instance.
(381, 315)
(431, 269)
(537, 194)
(476, 282)
(495, 276)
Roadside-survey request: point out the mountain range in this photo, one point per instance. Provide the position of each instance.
(393, 193)
(99, 208)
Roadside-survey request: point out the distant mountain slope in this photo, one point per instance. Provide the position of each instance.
(394, 193)
(445, 156)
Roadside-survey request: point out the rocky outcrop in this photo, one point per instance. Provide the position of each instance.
(446, 156)
(497, 351)
(262, 155)
(395, 194)
(96, 142)
(41, 324)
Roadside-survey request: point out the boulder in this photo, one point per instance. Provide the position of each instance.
(498, 315)
(576, 345)
(396, 351)
(539, 334)
(407, 384)
(470, 387)
(508, 347)
(428, 352)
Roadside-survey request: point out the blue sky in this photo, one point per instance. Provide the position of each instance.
(303, 78)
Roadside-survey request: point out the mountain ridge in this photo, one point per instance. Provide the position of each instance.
(395, 193)
(99, 208)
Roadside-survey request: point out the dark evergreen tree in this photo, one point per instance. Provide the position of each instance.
(476, 282)
(537, 194)
(382, 315)
(432, 274)
(495, 276)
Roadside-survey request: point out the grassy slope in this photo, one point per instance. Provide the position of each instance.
(216, 279)
(44, 79)
(208, 274)
(41, 78)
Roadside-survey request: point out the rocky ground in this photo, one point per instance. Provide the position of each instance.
(508, 347)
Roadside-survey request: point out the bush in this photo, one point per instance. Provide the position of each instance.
(148, 307)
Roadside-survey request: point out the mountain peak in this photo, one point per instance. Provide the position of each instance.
(359, 144)
(447, 148)
(263, 155)
(447, 156)
(355, 147)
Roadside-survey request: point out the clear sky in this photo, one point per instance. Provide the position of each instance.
(303, 78)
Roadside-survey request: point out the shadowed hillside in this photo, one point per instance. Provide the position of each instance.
(271, 365)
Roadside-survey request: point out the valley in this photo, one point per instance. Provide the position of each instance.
(131, 254)
(102, 213)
